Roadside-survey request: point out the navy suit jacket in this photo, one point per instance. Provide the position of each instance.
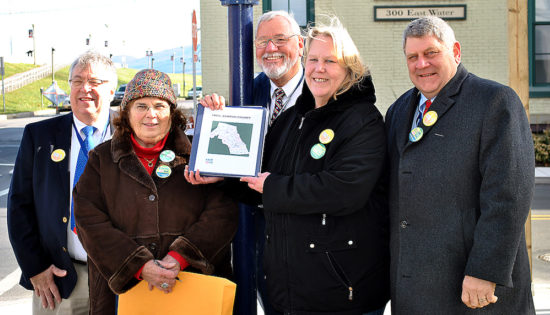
(38, 202)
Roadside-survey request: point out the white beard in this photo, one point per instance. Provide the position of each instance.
(274, 72)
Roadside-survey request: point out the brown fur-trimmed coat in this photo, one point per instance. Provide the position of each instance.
(126, 217)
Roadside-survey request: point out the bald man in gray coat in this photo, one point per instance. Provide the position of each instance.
(462, 178)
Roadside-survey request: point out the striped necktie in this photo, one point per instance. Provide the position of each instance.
(279, 94)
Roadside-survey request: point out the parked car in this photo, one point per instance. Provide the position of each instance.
(199, 92)
(63, 107)
(119, 94)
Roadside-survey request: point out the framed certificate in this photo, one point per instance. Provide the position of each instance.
(229, 142)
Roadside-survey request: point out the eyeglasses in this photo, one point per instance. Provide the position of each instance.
(92, 82)
(277, 40)
(159, 108)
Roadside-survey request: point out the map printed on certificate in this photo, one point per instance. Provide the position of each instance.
(229, 142)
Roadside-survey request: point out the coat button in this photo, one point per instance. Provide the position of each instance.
(151, 197)
(350, 242)
(311, 245)
(64, 219)
(153, 246)
(64, 249)
(404, 224)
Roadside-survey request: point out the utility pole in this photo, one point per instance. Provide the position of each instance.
(241, 76)
(194, 30)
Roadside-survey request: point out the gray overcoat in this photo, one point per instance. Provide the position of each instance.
(459, 198)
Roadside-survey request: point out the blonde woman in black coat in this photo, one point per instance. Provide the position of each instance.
(326, 249)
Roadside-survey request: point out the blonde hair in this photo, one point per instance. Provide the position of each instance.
(346, 52)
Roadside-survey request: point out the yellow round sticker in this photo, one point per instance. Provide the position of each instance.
(429, 118)
(326, 136)
(58, 155)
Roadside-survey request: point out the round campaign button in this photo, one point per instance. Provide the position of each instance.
(326, 136)
(416, 134)
(167, 156)
(58, 155)
(318, 151)
(429, 118)
(163, 171)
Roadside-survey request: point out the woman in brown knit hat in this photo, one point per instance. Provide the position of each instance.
(136, 215)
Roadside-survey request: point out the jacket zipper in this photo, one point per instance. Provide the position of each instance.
(341, 275)
(292, 166)
(295, 149)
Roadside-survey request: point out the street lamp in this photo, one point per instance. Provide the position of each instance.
(31, 35)
(149, 53)
(173, 59)
(53, 72)
(183, 73)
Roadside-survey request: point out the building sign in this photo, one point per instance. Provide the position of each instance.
(407, 13)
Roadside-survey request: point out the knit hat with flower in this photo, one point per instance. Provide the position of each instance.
(149, 83)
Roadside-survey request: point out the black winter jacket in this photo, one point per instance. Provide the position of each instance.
(326, 249)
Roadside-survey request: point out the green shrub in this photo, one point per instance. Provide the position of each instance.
(542, 148)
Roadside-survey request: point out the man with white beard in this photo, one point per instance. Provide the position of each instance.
(279, 47)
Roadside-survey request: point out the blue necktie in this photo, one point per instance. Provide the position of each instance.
(88, 143)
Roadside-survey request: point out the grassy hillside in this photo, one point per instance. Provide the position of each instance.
(13, 68)
(125, 75)
(28, 97)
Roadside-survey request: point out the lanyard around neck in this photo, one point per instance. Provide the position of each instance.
(82, 147)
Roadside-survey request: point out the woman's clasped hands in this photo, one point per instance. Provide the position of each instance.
(161, 274)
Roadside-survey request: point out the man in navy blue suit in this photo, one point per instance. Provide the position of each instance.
(52, 260)
(279, 47)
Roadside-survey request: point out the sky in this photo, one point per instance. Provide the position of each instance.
(131, 27)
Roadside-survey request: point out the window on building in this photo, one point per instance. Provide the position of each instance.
(303, 10)
(539, 47)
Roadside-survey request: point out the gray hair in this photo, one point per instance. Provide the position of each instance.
(430, 26)
(93, 57)
(273, 14)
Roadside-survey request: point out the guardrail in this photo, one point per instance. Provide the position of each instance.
(19, 80)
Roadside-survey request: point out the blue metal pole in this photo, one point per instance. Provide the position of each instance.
(241, 69)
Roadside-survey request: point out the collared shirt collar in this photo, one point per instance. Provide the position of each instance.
(290, 86)
(99, 124)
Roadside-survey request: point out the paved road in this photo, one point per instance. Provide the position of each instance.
(16, 300)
